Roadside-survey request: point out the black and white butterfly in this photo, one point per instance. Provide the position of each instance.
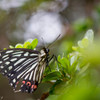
(25, 66)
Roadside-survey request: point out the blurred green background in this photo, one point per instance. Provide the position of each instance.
(24, 19)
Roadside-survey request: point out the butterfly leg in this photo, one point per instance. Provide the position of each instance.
(54, 56)
(56, 59)
(49, 61)
(51, 58)
(57, 62)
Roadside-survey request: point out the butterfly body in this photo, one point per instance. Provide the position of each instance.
(25, 66)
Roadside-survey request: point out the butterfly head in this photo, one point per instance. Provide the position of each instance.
(44, 52)
(47, 50)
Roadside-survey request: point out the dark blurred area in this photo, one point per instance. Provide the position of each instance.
(24, 19)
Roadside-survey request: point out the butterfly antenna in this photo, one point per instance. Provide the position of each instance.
(43, 42)
(54, 41)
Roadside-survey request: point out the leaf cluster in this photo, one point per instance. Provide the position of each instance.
(78, 77)
(29, 44)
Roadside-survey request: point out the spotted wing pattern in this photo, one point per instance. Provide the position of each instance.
(23, 64)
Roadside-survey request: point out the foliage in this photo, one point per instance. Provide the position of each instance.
(29, 44)
(77, 74)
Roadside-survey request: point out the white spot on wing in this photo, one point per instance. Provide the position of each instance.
(33, 54)
(4, 56)
(0, 62)
(18, 52)
(13, 59)
(35, 74)
(26, 54)
(5, 71)
(31, 75)
(7, 63)
(14, 80)
(19, 61)
(11, 84)
(9, 74)
(1, 67)
(26, 77)
(9, 51)
(10, 67)
(17, 55)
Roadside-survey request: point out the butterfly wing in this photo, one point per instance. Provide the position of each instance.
(22, 64)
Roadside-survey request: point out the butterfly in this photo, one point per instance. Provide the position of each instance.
(24, 66)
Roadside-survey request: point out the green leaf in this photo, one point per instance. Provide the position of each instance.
(19, 46)
(89, 35)
(27, 44)
(34, 43)
(10, 46)
(59, 58)
(4, 48)
(64, 61)
(80, 44)
(52, 76)
(63, 66)
(73, 59)
(85, 42)
(74, 48)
